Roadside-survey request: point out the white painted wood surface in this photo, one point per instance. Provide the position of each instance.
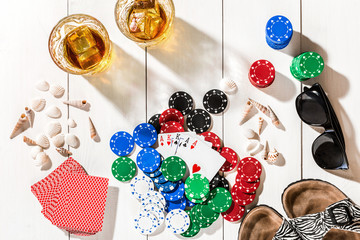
(222, 38)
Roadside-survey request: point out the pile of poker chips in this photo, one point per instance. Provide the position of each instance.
(262, 73)
(307, 65)
(73, 200)
(278, 32)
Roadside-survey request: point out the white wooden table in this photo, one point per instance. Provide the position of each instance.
(211, 39)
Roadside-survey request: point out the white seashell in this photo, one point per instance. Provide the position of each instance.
(30, 116)
(53, 129)
(93, 133)
(246, 111)
(34, 151)
(57, 90)
(64, 151)
(274, 118)
(58, 140)
(261, 122)
(253, 147)
(227, 85)
(53, 112)
(273, 156)
(29, 141)
(265, 152)
(42, 86)
(71, 123)
(20, 126)
(81, 104)
(249, 133)
(72, 140)
(260, 107)
(38, 104)
(43, 141)
(41, 159)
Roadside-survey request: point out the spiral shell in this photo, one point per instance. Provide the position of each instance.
(273, 156)
(29, 141)
(20, 126)
(57, 90)
(43, 141)
(260, 107)
(34, 151)
(30, 116)
(261, 122)
(41, 159)
(81, 104)
(93, 133)
(72, 140)
(53, 112)
(246, 111)
(227, 85)
(38, 104)
(63, 151)
(58, 140)
(273, 117)
(42, 86)
(71, 123)
(265, 152)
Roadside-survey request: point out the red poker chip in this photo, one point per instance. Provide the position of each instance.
(241, 198)
(247, 187)
(234, 213)
(227, 167)
(249, 169)
(262, 73)
(171, 115)
(231, 159)
(213, 138)
(171, 127)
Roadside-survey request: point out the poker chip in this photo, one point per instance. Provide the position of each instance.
(152, 201)
(307, 65)
(196, 187)
(145, 135)
(247, 187)
(148, 160)
(201, 224)
(146, 223)
(215, 101)
(154, 120)
(123, 169)
(173, 168)
(193, 228)
(154, 195)
(231, 159)
(249, 169)
(220, 200)
(171, 115)
(241, 198)
(171, 127)
(205, 214)
(219, 181)
(154, 174)
(198, 120)
(213, 138)
(278, 32)
(141, 185)
(181, 101)
(234, 213)
(192, 214)
(177, 221)
(122, 143)
(262, 73)
(167, 186)
(156, 211)
(176, 194)
(179, 204)
(159, 179)
(199, 200)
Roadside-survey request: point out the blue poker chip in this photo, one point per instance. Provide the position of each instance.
(179, 204)
(176, 194)
(189, 203)
(279, 30)
(166, 187)
(159, 179)
(122, 143)
(154, 174)
(145, 135)
(148, 160)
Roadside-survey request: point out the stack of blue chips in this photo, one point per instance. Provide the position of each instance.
(278, 32)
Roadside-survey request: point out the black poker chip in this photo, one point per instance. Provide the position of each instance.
(215, 101)
(219, 181)
(198, 120)
(181, 101)
(154, 120)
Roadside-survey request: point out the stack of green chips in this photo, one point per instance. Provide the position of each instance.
(307, 65)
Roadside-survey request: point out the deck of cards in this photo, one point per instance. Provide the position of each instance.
(194, 150)
(73, 200)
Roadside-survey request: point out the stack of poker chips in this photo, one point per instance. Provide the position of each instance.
(307, 65)
(262, 73)
(278, 32)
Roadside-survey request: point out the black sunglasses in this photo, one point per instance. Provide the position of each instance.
(314, 108)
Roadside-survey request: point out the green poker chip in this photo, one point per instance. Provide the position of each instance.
(195, 219)
(123, 169)
(201, 200)
(173, 168)
(205, 214)
(307, 65)
(196, 187)
(220, 200)
(193, 229)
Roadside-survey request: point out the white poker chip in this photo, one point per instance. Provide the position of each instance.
(156, 210)
(153, 194)
(140, 186)
(152, 201)
(177, 221)
(146, 223)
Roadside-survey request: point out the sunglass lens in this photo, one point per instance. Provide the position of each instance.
(311, 108)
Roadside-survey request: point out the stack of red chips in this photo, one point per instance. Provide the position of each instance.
(262, 73)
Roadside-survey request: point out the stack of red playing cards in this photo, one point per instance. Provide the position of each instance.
(73, 200)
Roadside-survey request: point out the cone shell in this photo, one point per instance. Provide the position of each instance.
(42, 86)
(249, 133)
(227, 85)
(58, 140)
(53, 112)
(57, 90)
(41, 159)
(71, 123)
(63, 151)
(20, 126)
(273, 156)
(29, 141)
(38, 104)
(34, 151)
(93, 132)
(260, 107)
(246, 111)
(53, 129)
(30, 116)
(265, 152)
(72, 140)
(261, 122)
(273, 117)
(43, 141)
(81, 104)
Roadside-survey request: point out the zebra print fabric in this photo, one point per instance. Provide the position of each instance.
(341, 215)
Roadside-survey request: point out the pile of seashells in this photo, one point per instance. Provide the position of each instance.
(53, 129)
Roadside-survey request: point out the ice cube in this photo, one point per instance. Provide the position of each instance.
(89, 58)
(145, 23)
(80, 40)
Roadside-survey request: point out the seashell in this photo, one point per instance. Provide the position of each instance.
(273, 156)
(72, 140)
(30, 116)
(53, 129)
(81, 104)
(41, 159)
(273, 117)
(20, 126)
(29, 141)
(71, 123)
(227, 85)
(246, 111)
(261, 122)
(53, 112)
(249, 133)
(34, 151)
(93, 132)
(64, 151)
(38, 104)
(260, 107)
(43, 141)
(253, 147)
(57, 90)
(42, 86)
(265, 152)
(58, 140)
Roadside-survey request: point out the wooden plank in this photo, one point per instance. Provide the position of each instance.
(329, 32)
(244, 43)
